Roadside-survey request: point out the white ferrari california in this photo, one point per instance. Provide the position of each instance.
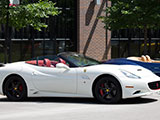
(71, 74)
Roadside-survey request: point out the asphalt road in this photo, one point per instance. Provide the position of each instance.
(145, 108)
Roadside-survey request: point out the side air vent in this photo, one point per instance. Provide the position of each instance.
(138, 91)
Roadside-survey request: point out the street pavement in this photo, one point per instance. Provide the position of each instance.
(145, 108)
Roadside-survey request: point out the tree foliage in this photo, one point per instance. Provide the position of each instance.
(132, 14)
(128, 14)
(27, 13)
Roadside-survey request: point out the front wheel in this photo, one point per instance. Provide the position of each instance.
(15, 89)
(107, 90)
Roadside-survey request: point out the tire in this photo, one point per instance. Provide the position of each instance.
(15, 89)
(108, 90)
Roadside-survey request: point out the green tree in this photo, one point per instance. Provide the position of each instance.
(27, 13)
(128, 14)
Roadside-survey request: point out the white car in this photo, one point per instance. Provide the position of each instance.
(73, 75)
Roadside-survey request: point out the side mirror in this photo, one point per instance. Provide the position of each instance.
(61, 65)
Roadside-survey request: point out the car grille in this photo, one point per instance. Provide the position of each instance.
(154, 85)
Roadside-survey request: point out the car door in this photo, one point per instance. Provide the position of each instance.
(54, 79)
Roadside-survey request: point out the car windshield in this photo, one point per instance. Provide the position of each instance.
(79, 59)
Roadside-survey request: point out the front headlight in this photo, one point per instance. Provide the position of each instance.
(130, 75)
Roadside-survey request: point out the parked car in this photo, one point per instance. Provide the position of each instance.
(144, 61)
(71, 74)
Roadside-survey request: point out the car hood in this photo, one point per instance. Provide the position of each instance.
(116, 70)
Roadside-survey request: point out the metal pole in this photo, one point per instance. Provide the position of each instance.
(9, 46)
(129, 41)
(6, 34)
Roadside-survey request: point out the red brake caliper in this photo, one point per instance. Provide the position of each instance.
(101, 91)
(20, 88)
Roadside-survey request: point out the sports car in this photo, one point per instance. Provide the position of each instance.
(144, 61)
(71, 74)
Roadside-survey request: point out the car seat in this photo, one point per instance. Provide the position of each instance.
(47, 63)
(143, 58)
(62, 61)
(148, 58)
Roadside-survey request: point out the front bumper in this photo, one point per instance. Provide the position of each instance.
(142, 87)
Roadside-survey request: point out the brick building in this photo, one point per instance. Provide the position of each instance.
(92, 37)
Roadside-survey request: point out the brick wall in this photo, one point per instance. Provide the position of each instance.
(91, 33)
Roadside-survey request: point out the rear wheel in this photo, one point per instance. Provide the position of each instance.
(108, 90)
(15, 89)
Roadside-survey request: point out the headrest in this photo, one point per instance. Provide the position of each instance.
(47, 62)
(143, 58)
(148, 58)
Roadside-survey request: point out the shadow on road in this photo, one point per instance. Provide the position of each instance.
(137, 100)
(83, 100)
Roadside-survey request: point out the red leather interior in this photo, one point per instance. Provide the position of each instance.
(54, 63)
(62, 61)
(40, 63)
(34, 62)
(46, 62)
